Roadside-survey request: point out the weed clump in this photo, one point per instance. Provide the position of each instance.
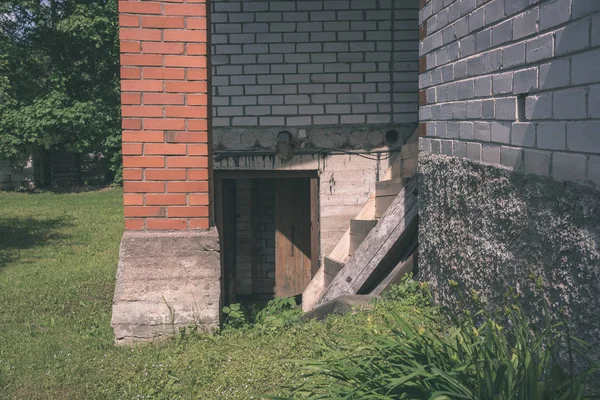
(472, 356)
(278, 313)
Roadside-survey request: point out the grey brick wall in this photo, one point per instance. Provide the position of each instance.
(265, 220)
(525, 74)
(266, 236)
(243, 243)
(295, 63)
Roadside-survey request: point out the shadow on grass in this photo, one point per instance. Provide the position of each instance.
(18, 234)
(69, 189)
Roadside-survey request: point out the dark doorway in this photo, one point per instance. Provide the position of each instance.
(268, 225)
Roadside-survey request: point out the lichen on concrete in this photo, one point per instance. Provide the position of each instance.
(491, 229)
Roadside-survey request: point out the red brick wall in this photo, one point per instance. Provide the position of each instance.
(164, 106)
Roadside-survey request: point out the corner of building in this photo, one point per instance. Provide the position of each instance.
(169, 273)
(509, 158)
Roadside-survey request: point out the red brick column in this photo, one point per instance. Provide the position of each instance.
(164, 96)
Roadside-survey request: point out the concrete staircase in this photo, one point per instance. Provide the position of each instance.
(385, 193)
(402, 169)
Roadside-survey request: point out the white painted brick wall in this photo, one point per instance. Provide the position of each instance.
(282, 63)
(535, 65)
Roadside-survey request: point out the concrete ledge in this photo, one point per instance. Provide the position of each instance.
(166, 280)
(346, 136)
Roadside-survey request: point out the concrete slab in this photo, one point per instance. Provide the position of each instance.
(166, 280)
(339, 306)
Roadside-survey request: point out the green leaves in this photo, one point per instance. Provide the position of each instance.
(277, 313)
(235, 317)
(59, 77)
(473, 358)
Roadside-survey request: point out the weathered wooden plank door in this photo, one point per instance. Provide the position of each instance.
(293, 236)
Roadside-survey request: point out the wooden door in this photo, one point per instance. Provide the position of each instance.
(228, 231)
(292, 237)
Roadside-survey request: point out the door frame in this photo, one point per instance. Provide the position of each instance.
(315, 233)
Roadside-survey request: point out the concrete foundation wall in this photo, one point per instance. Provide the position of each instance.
(166, 281)
(513, 83)
(491, 229)
(299, 63)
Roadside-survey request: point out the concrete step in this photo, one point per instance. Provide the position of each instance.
(331, 268)
(381, 250)
(389, 188)
(320, 281)
(359, 229)
(385, 193)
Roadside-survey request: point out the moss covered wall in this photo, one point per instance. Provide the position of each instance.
(491, 229)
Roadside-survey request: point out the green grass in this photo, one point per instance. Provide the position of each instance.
(58, 256)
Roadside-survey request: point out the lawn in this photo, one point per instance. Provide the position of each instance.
(58, 257)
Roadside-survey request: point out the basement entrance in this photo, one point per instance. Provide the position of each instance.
(268, 223)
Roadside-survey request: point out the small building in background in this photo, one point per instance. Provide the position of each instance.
(39, 169)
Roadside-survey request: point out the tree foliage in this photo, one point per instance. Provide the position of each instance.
(59, 86)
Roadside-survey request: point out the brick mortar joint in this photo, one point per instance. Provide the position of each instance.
(552, 29)
(523, 152)
(517, 68)
(512, 146)
(504, 19)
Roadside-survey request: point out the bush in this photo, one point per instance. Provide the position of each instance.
(474, 358)
(409, 291)
(277, 313)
